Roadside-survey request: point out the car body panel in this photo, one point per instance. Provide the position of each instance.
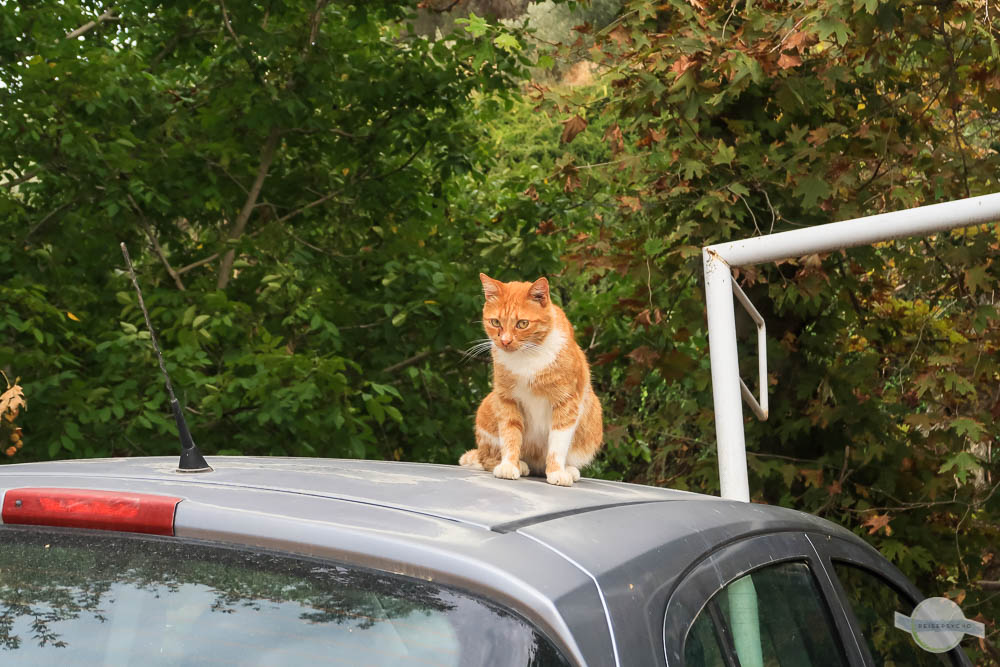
(448, 492)
(592, 565)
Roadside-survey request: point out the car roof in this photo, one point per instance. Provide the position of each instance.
(548, 552)
(448, 492)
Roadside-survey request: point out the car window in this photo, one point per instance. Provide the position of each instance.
(773, 617)
(703, 647)
(118, 599)
(875, 602)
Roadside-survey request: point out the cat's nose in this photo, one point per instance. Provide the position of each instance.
(506, 340)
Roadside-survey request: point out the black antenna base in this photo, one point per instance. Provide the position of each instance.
(191, 458)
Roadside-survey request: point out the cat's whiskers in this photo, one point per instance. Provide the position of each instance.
(532, 348)
(478, 349)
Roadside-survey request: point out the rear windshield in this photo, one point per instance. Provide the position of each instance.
(86, 598)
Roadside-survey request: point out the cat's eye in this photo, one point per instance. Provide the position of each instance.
(522, 324)
(495, 323)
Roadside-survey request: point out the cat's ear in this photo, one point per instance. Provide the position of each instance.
(491, 288)
(539, 292)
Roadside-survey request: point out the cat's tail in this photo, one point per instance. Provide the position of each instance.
(470, 459)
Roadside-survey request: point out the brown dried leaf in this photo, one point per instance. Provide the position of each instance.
(877, 522)
(606, 358)
(683, 64)
(818, 136)
(531, 193)
(546, 227)
(12, 400)
(812, 477)
(613, 135)
(620, 36)
(787, 61)
(800, 41)
(644, 356)
(632, 203)
(572, 181)
(572, 127)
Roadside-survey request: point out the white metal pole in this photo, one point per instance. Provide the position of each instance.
(861, 231)
(725, 378)
(718, 260)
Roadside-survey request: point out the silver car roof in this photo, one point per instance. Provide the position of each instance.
(583, 563)
(447, 492)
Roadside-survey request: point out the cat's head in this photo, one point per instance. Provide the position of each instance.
(516, 315)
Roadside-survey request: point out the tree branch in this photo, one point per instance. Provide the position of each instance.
(427, 5)
(148, 229)
(201, 262)
(267, 153)
(314, 21)
(247, 56)
(415, 359)
(41, 222)
(108, 15)
(165, 51)
(321, 200)
(23, 179)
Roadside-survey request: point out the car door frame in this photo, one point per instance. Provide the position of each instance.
(705, 578)
(831, 548)
(731, 561)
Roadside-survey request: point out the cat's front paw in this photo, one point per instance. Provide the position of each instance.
(508, 470)
(575, 472)
(525, 470)
(560, 477)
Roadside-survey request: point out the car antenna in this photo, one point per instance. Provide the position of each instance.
(191, 458)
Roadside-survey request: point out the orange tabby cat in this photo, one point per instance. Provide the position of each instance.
(542, 415)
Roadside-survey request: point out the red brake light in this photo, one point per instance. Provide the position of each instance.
(84, 508)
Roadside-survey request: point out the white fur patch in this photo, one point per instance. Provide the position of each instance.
(526, 363)
(490, 438)
(559, 444)
(537, 412)
(560, 441)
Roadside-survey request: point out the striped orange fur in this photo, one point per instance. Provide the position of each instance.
(542, 416)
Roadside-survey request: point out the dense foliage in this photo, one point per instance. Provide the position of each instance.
(726, 121)
(310, 193)
(288, 171)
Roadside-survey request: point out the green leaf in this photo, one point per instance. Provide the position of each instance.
(977, 279)
(962, 463)
(394, 414)
(375, 409)
(723, 154)
(507, 42)
(812, 190)
(475, 25)
(969, 428)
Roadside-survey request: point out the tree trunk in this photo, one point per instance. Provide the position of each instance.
(266, 157)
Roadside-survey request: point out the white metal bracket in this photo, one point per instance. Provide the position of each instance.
(718, 261)
(759, 409)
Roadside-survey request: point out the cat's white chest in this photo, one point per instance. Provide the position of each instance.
(537, 413)
(526, 363)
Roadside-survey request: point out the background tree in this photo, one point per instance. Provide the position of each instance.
(289, 170)
(730, 120)
(311, 192)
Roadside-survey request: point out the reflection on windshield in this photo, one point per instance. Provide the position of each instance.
(121, 599)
